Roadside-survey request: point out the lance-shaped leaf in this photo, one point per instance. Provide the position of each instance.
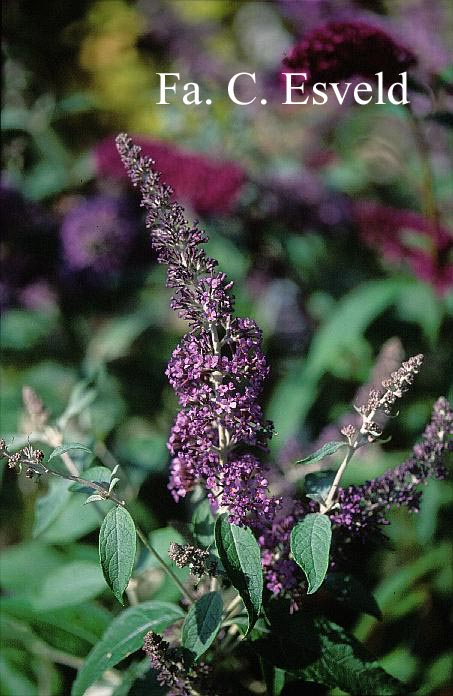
(203, 524)
(324, 451)
(58, 451)
(202, 623)
(117, 546)
(123, 637)
(310, 546)
(241, 558)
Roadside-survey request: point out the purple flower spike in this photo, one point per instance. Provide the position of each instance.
(362, 509)
(218, 369)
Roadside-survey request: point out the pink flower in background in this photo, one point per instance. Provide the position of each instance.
(207, 185)
(405, 236)
(338, 50)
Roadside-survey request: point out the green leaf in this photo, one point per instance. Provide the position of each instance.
(74, 521)
(274, 678)
(69, 585)
(117, 546)
(123, 637)
(24, 329)
(241, 558)
(49, 506)
(14, 681)
(318, 484)
(310, 546)
(314, 649)
(98, 474)
(349, 591)
(202, 623)
(203, 523)
(16, 561)
(82, 395)
(326, 450)
(343, 662)
(58, 451)
(86, 622)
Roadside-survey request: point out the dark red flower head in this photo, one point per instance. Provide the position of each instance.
(409, 238)
(338, 50)
(207, 185)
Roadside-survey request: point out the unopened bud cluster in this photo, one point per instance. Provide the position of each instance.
(381, 402)
(27, 457)
(173, 669)
(187, 556)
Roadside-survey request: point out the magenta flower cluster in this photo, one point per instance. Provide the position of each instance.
(218, 369)
(338, 50)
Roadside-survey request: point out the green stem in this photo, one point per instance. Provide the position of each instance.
(167, 568)
(336, 482)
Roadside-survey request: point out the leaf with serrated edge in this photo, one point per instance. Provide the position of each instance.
(343, 662)
(315, 649)
(241, 558)
(310, 545)
(123, 637)
(324, 451)
(202, 623)
(117, 546)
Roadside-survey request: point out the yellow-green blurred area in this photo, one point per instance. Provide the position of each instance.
(335, 223)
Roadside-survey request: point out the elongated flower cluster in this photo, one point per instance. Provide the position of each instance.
(362, 509)
(338, 50)
(173, 669)
(218, 369)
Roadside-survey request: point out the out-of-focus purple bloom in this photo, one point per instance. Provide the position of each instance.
(206, 185)
(217, 370)
(339, 50)
(362, 509)
(310, 13)
(38, 295)
(96, 235)
(406, 237)
(423, 23)
(301, 201)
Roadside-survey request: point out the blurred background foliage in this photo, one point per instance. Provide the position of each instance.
(290, 198)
